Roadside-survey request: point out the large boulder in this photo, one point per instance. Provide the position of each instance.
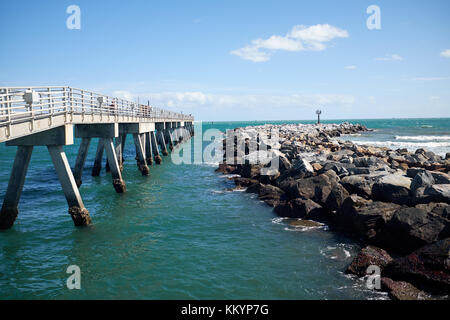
(438, 193)
(270, 194)
(362, 184)
(316, 188)
(401, 290)
(421, 180)
(427, 268)
(364, 218)
(299, 208)
(412, 228)
(368, 256)
(392, 188)
(336, 197)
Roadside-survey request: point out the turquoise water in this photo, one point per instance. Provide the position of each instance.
(173, 235)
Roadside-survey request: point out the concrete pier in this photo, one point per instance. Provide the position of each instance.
(9, 211)
(155, 148)
(118, 183)
(142, 163)
(81, 159)
(98, 158)
(53, 116)
(148, 149)
(78, 212)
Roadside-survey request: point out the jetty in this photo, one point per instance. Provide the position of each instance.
(54, 116)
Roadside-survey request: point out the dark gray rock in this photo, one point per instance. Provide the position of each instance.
(438, 193)
(299, 208)
(412, 228)
(422, 180)
(392, 188)
(364, 218)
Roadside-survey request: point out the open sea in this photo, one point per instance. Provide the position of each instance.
(178, 234)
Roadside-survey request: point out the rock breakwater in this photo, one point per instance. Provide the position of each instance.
(396, 202)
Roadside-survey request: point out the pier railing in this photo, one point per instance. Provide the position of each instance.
(19, 104)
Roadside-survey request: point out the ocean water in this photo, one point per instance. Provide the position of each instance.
(177, 234)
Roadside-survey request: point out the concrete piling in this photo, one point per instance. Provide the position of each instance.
(9, 211)
(98, 158)
(118, 183)
(78, 212)
(158, 158)
(162, 143)
(81, 159)
(142, 163)
(148, 149)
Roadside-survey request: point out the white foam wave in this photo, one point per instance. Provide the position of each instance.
(423, 138)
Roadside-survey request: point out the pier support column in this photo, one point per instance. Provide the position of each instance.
(9, 211)
(118, 149)
(118, 183)
(158, 158)
(98, 158)
(142, 163)
(148, 149)
(78, 212)
(162, 143)
(167, 135)
(81, 159)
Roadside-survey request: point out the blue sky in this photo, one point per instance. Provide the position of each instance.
(190, 56)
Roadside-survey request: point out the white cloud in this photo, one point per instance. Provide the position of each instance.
(350, 67)
(390, 57)
(300, 38)
(430, 78)
(372, 99)
(445, 53)
(196, 99)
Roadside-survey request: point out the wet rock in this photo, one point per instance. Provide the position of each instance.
(427, 268)
(401, 290)
(305, 224)
(225, 168)
(368, 256)
(245, 182)
(270, 194)
(299, 208)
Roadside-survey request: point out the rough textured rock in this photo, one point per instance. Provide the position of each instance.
(421, 180)
(401, 290)
(299, 208)
(427, 268)
(336, 198)
(438, 193)
(368, 256)
(360, 185)
(270, 194)
(412, 228)
(244, 182)
(392, 188)
(364, 218)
